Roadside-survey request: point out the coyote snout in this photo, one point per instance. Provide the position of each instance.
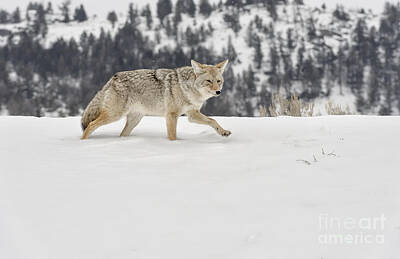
(161, 92)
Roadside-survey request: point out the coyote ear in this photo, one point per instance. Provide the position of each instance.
(221, 66)
(198, 68)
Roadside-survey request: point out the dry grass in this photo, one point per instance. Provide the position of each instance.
(297, 108)
(290, 107)
(263, 111)
(337, 109)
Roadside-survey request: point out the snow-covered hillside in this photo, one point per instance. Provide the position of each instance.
(290, 16)
(264, 192)
(283, 48)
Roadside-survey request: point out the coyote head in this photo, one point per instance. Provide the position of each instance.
(209, 78)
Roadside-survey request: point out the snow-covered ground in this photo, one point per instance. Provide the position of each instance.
(256, 194)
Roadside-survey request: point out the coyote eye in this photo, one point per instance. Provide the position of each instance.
(208, 81)
(219, 81)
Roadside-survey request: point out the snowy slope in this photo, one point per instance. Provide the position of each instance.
(330, 33)
(202, 196)
(287, 14)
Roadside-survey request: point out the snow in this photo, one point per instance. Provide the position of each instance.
(251, 195)
(75, 29)
(376, 5)
(3, 110)
(344, 100)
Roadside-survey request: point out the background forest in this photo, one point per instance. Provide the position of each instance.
(53, 59)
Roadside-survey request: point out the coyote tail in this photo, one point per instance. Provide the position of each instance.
(92, 111)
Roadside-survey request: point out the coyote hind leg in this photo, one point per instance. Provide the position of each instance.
(101, 120)
(132, 120)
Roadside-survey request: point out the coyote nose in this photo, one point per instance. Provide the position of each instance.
(218, 92)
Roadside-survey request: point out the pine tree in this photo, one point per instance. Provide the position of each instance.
(274, 60)
(149, 18)
(258, 55)
(250, 35)
(374, 80)
(27, 15)
(65, 11)
(355, 77)
(205, 8)
(360, 40)
(311, 79)
(176, 20)
(40, 24)
(311, 30)
(4, 82)
(4, 16)
(180, 6)
(274, 68)
(169, 27)
(287, 75)
(164, 8)
(271, 7)
(300, 59)
(80, 14)
(16, 16)
(388, 39)
(186, 7)
(191, 7)
(112, 18)
(289, 38)
(341, 68)
(232, 20)
(249, 78)
(391, 13)
(250, 91)
(373, 87)
(258, 22)
(235, 3)
(192, 38)
(49, 8)
(397, 88)
(230, 52)
(133, 15)
(340, 14)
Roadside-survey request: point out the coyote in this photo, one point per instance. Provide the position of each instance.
(160, 92)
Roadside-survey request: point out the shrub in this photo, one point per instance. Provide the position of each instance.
(290, 107)
(337, 109)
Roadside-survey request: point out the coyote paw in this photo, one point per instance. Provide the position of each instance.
(224, 133)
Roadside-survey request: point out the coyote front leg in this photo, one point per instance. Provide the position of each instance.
(197, 117)
(172, 120)
(101, 120)
(132, 120)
